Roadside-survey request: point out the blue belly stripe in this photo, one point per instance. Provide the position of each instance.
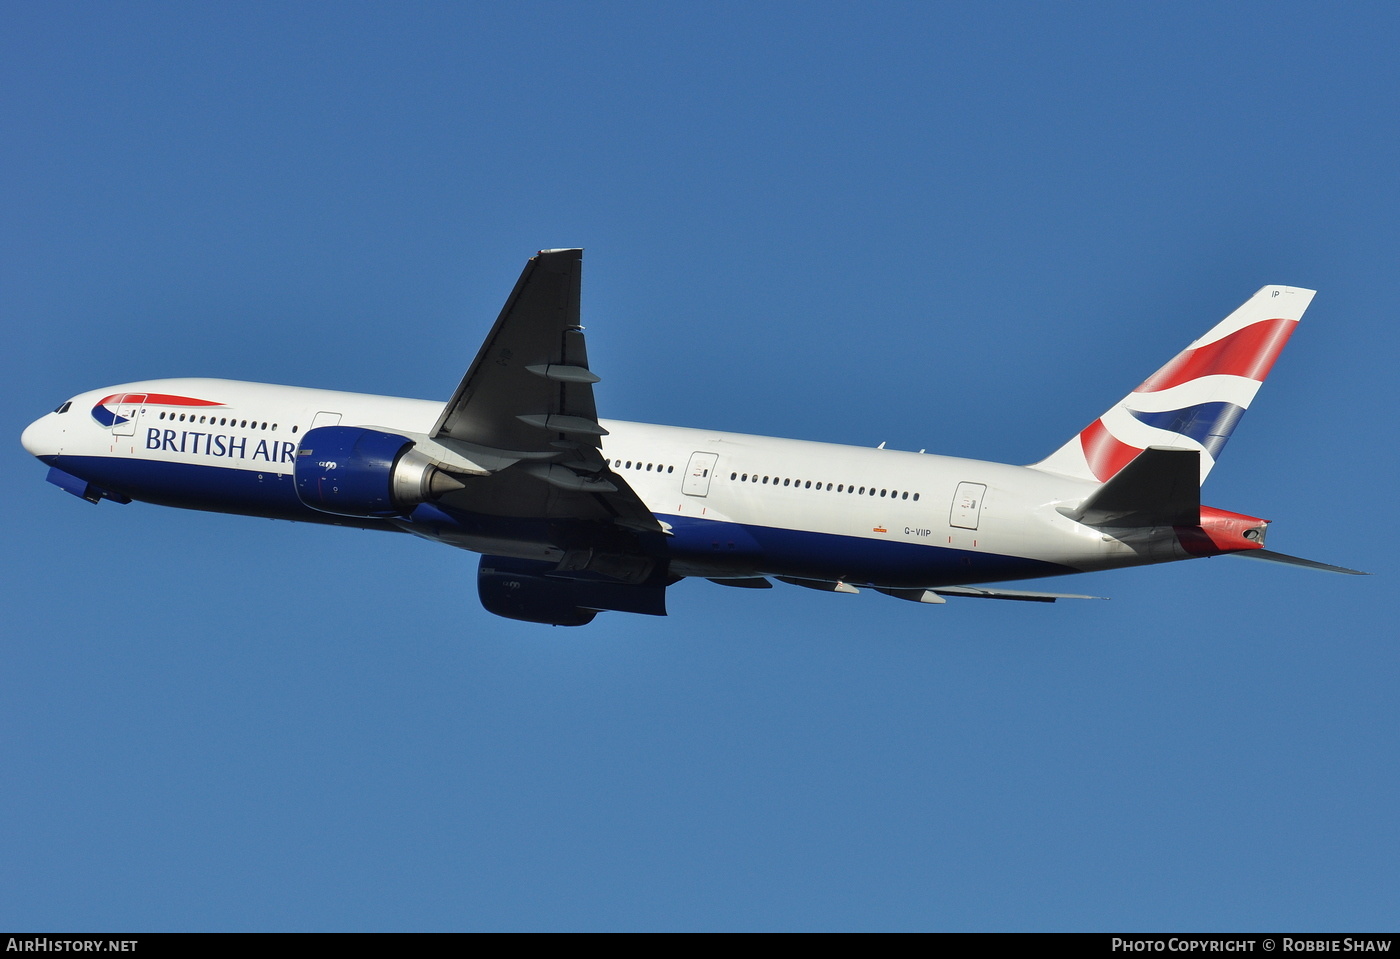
(216, 489)
(855, 559)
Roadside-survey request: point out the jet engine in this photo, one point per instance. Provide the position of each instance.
(518, 589)
(353, 471)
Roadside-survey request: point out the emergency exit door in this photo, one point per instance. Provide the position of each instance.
(967, 505)
(698, 474)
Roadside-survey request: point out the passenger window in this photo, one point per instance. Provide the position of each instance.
(916, 497)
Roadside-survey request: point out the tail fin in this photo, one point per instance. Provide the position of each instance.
(1195, 400)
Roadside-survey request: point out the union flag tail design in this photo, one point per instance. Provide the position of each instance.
(1195, 401)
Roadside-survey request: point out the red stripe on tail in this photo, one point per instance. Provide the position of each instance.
(1104, 452)
(1249, 352)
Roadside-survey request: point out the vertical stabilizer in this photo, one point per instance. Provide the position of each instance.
(1195, 401)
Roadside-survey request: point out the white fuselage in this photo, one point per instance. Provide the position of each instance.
(734, 505)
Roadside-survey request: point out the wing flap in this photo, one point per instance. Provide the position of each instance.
(982, 592)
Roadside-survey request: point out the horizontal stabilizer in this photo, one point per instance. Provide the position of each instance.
(1160, 487)
(745, 582)
(1270, 556)
(980, 592)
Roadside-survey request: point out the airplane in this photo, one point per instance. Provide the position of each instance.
(573, 514)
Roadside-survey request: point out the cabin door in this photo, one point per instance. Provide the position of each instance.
(128, 411)
(699, 473)
(967, 505)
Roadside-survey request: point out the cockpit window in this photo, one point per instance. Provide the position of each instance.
(64, 407)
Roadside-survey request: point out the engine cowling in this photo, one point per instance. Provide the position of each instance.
(517, 589)
(353, 471)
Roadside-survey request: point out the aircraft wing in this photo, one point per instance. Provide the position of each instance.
(523, 420)
(530, 384)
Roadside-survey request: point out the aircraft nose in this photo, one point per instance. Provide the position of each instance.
(38, 437)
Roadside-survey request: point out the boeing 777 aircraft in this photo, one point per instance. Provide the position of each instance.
(574, 514)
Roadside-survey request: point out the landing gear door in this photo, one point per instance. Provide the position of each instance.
(967, 505)
(699, 473)
(128, 411)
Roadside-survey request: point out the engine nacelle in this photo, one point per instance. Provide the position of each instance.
(517, 589)
(353, 471)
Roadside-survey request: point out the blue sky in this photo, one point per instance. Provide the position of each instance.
(963, 228)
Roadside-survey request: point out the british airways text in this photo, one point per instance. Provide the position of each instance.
(219, 444)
